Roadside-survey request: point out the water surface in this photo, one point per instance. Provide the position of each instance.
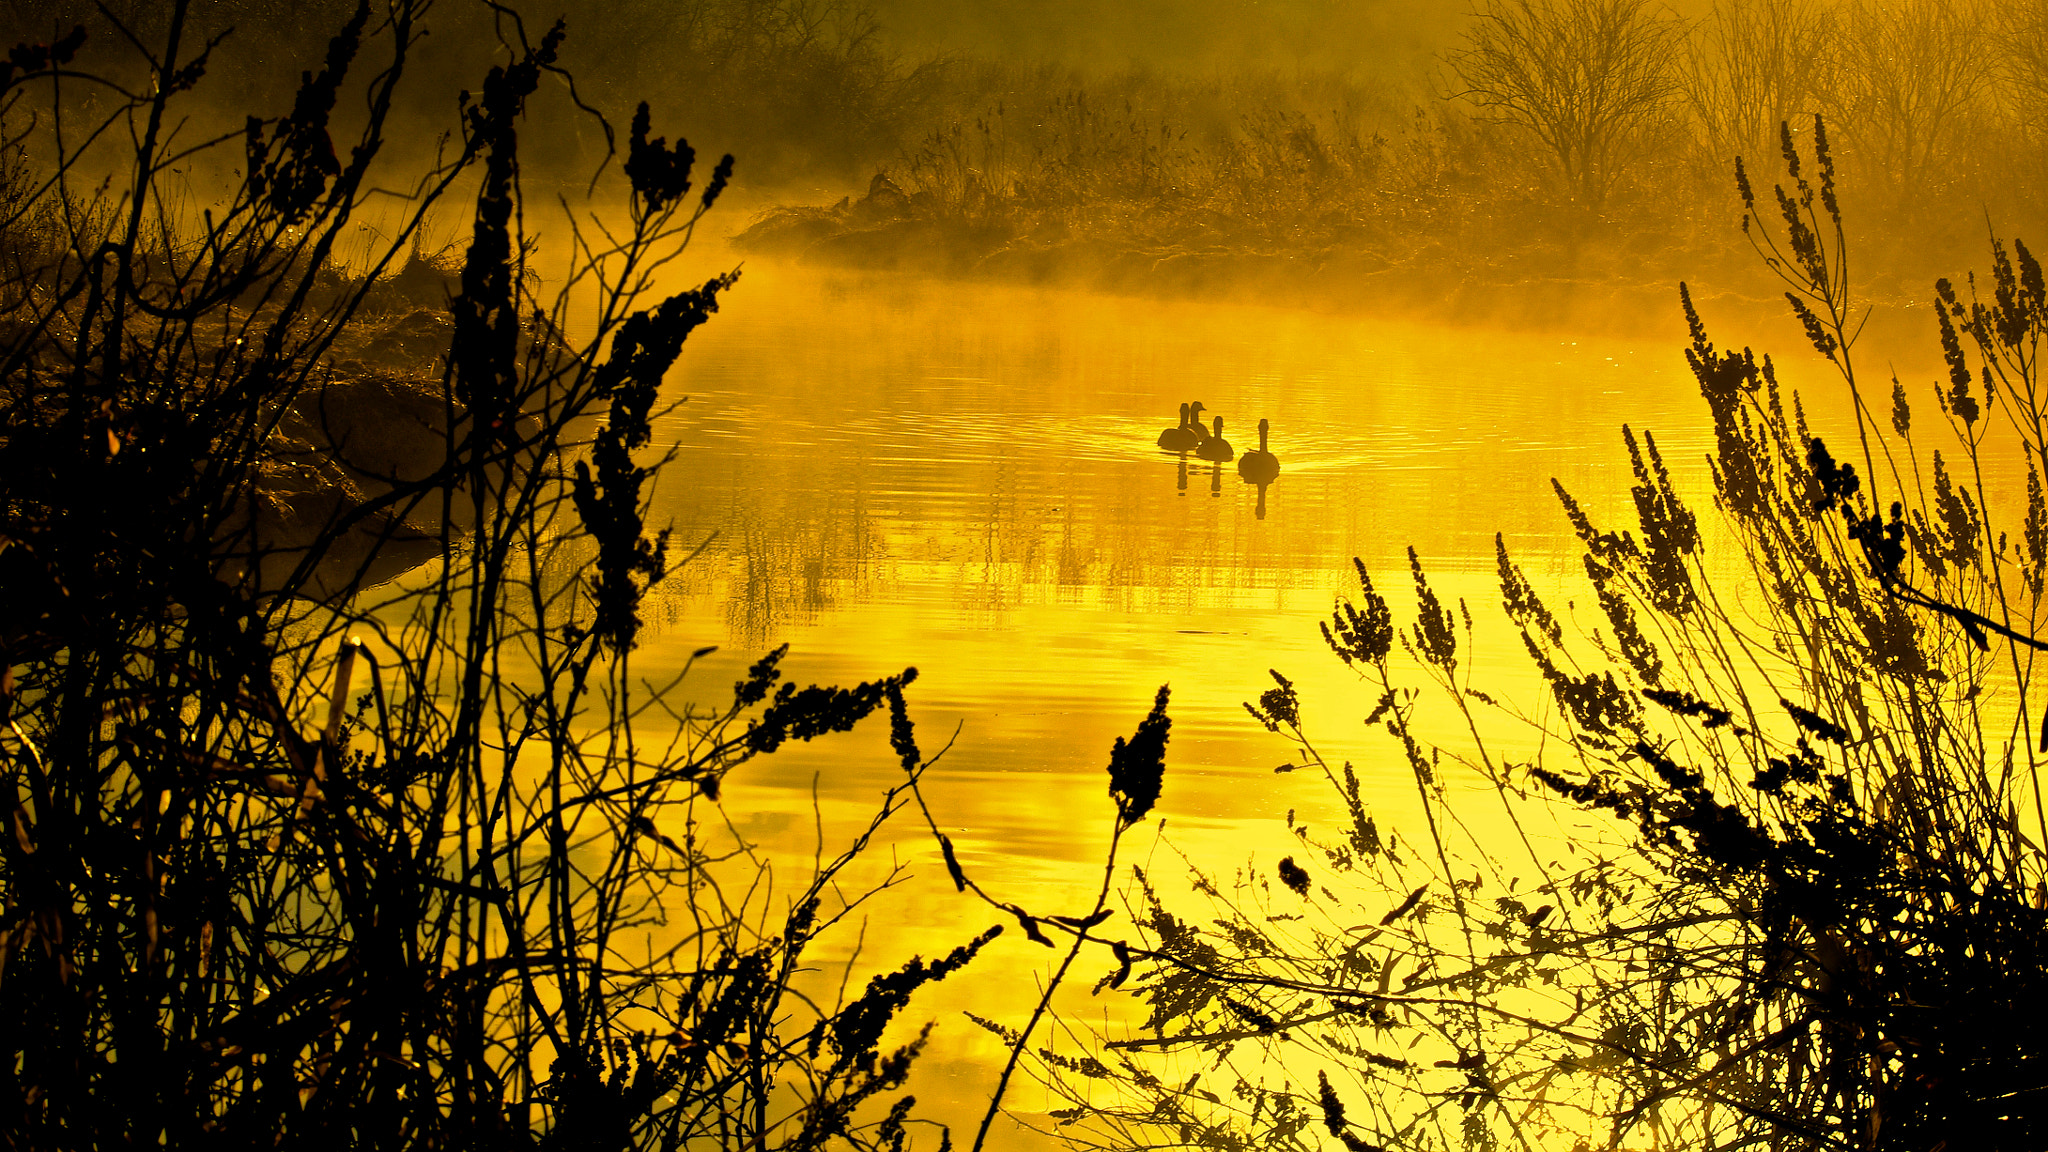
(884, 472)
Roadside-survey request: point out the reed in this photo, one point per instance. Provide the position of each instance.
(1761, 867)
(338, 808)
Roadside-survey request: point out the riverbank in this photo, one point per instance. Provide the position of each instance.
(1601, 279)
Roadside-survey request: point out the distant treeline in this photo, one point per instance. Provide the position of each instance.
(1585, 138)
(799, 88)
(1589, 139)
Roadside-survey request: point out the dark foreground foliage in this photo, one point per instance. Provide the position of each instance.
(1762, 868)
(336, 812)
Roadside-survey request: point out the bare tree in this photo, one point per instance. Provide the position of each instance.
(1751, 66)
(1585, 76)
(2022, 32)
(2022, 55)
(1908, 75)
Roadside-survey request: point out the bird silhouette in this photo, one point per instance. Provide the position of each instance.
(1260, 467)
(1216, 448)
(1180, 437)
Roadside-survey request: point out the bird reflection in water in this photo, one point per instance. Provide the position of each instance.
(815, 597)
(1260, 467)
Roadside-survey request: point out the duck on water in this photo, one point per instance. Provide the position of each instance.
(1180, 438)
(1259, 466)
(1215, 448)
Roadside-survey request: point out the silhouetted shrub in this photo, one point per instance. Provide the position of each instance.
(337, 811)
(1818, 921)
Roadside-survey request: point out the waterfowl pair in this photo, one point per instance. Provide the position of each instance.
(1188, 435)
(1258, 467)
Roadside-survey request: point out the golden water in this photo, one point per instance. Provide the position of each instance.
(886, 472)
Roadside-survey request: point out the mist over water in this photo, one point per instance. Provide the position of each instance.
(885, 470)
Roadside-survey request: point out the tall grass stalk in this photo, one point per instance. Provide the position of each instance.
(300, 853)
(1766, 868)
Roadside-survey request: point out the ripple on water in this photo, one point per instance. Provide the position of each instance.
(967, 480)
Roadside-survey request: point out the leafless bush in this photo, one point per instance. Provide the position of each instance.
(1751, 66)
(1904, 83)
(1586, 77)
